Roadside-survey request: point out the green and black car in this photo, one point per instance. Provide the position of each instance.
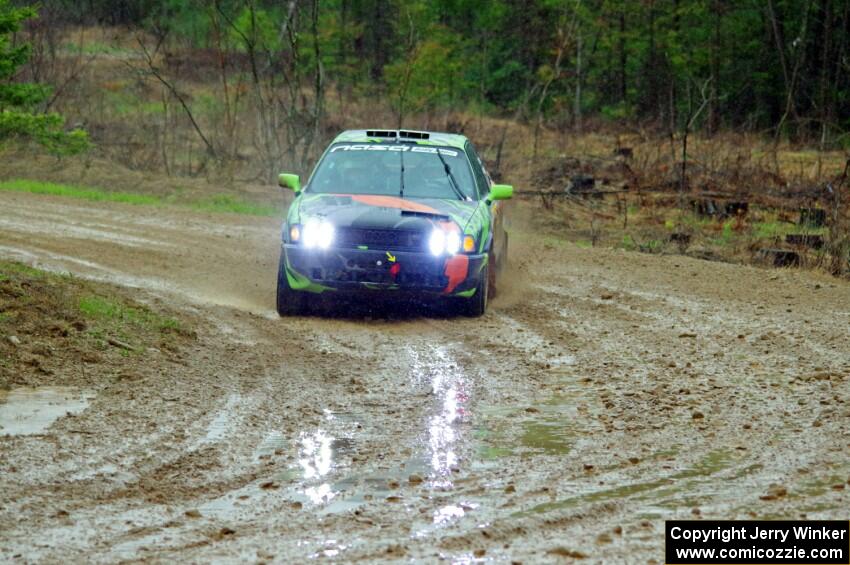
(394, 212)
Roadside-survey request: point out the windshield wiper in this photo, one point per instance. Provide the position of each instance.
(452, 180)
(401, 180)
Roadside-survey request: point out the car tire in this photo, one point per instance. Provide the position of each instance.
(289, 302)
(476, 305)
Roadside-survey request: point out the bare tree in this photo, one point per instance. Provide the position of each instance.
(565, 33)
(152, 69)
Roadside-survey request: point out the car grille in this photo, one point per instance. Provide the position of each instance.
(380, 276)
(391, 240)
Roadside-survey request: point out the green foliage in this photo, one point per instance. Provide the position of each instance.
(665, 63)
(187, 20)
(12, 56)
(429, 75)
(257, 27)
(18, 117)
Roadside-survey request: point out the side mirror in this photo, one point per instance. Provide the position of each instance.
(500, 192)
(290, 181)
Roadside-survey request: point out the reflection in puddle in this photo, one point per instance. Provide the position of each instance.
(448, 383)
(333, 549)
(27, 410)
(447, 514)
(452, 512)
(320, 494)
(316, 456)
(442, 436)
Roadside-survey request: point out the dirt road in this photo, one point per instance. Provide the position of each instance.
(602, 394)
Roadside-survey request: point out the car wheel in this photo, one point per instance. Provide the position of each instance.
(476, 305)
(289, 302)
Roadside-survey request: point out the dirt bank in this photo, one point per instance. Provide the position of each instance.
(603, 393)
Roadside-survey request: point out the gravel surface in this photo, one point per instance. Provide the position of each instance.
(603, 393)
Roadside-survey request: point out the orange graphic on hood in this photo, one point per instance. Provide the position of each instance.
(392, 202)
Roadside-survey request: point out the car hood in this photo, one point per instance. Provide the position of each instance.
(382, 212)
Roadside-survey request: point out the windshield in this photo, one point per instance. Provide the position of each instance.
(352, 168)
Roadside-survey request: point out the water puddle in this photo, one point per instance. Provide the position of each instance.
(319, 454)
(274, 441)
(225, 421)
(324, 452)
(691, 485)
(547, 436)
(819, 486)
(315, 454)
(317, 477)
(436, 369)
(533, 345)
(26, 411)
(552, 427)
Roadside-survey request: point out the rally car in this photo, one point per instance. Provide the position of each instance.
(389, 211)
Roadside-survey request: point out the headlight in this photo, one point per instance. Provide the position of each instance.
(317, 234)
(444, 242)
(437, 242)
(452, 242)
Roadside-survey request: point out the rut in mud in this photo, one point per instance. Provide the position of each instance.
(603, 393)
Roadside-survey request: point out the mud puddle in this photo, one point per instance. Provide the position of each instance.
(319, 456)
(329, 474)
(27, 411)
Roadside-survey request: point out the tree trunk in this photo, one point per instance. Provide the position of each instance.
(713, 103)
(577, 101)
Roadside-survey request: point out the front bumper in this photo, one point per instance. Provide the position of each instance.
(317, 271)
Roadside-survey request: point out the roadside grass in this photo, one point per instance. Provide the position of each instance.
(217, 204)
(56, 319)
(111, 310)
(229, 204)
(9, 268)
(80, 193)
(37, 305)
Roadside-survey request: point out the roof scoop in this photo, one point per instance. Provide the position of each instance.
(398, 134)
